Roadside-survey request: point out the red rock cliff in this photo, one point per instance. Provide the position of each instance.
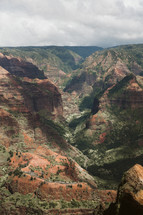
(20, 68)
(130, 194)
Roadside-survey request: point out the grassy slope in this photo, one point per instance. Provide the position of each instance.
(133, 52)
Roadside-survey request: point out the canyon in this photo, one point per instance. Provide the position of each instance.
(70, 127)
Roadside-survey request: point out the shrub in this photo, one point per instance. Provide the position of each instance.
(75, 204)
(17, 172)
(11, 153)
(79, 185)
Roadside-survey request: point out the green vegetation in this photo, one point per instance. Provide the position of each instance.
(57, 57)
(84, 51)
(55, 126)
(79, 78)
(103, 64)
(74, 81)
(18, 172)
(77, 121)
(119, 87)
(121, 149)
(17, 202)
(4, 155)
(128, 127)
(86, 103)
(84, 142)
(121, 127)
(133, 52)
(11, 153)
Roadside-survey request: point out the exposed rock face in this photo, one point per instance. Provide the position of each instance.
(20, 68)
(29, 95)
(132, 95)
(56, 62)
(25, 104)
(130, 194)
(112, 136)
(40, 159)
(126, 95)
(102, 70)
(38, 162)
(51, 176)
(42, 95)
(99, 71)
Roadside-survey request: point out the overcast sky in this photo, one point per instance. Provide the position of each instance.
(71, 22)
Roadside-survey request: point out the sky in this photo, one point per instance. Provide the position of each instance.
(103, 23)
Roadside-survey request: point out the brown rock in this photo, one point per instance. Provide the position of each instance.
(130, 194)
(125, 95)
(20, 68)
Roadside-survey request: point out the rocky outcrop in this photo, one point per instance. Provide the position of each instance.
(24, 104)
(38, 161)
(130, 194)
(128, 94)
(124, 96)
(112, 137)
(103, 69)
(29, 95)
(20, 68)
(100, 71)
(27, 108)
(42, 95)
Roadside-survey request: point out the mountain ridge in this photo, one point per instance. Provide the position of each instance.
(80, 159)
(35, 155)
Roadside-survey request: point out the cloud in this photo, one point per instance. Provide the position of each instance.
(65, 22)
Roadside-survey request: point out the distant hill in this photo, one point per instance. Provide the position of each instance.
(57, 57)
(104, 68)
(57, 62)
(84, 51)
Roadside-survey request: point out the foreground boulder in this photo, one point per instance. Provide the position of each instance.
(130, 194)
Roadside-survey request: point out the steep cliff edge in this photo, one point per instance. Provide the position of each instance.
(56, 62)
(108, 88)
(111, 137)
(36, 160)
(129, 198)
(20, 68)
(103, 69)
(34, 149)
